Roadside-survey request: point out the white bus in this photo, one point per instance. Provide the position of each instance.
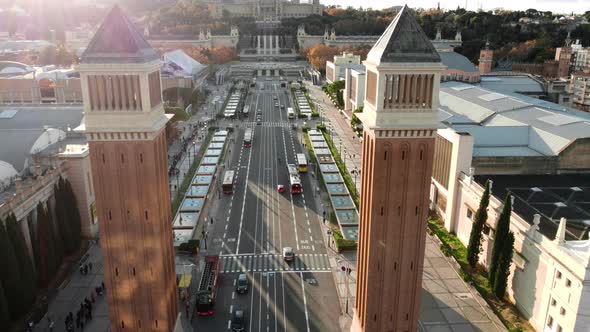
(301, 163)
(290, 113)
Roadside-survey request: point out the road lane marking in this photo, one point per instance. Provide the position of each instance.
(304, 301)
(231, 308)
(244, 199)
(229, 324)
(291, 195)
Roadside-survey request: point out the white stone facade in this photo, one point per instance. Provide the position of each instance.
(354, 89)
(549, 281)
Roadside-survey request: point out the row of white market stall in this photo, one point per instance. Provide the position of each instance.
(232, 105)
(302, 102)
(187, 216)
(342, 203)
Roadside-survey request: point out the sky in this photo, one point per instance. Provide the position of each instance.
(556, 6)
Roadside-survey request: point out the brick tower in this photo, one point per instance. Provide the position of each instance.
(486, 56)
(400, 121)
(563, 56)
(124, 124)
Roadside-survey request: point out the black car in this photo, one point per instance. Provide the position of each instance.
(242, 284)
(238, 321)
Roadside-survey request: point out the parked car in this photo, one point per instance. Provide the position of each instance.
(242, 284)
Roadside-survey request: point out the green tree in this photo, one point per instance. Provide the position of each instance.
(54, 238)
(73, 214)
(500, 237)
(62, 217)
(26, 268)
(481, 216)
(4, 313)
(10, 275)
(46, 252)
(503, 269)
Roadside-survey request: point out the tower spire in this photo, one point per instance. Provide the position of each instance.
(568, 39)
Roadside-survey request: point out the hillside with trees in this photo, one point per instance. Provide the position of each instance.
(519, 42)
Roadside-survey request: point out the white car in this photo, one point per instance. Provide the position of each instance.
(288, 254)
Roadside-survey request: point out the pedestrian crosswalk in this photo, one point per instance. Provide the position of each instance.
(274, 263)
(267, 124)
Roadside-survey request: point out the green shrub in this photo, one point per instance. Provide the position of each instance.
(189, 246)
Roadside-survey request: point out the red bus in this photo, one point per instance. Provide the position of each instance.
(208, 287)
(228, 182)
(248, 136)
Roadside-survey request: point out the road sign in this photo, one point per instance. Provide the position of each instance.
(329, 232)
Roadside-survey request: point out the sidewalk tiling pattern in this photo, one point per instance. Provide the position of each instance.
(346, 213)
(187, 217)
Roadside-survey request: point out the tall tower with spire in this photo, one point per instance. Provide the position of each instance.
(124, 123)
(563, 56)
(400, 122)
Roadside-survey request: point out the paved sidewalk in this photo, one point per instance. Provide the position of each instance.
(344, 139)
(73, 291)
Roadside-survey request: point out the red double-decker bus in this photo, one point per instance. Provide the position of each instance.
(208, 287)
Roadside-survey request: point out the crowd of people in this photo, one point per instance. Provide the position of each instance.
(84, 313)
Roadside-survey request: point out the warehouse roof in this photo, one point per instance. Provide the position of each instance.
(508, 125)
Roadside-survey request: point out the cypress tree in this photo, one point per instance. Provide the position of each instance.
(73, 214)
(503, 269)
(61, 215)
(10, 275)
(4, 313)
(61, 229)
(26, 268)
(54, 256)
(46, 254)
(481, 216)
(39, 241)
(502, 230)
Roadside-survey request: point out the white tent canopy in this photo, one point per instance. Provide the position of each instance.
(189, 65)
(47, 138)
(7, 172)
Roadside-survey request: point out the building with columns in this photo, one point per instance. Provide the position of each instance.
(400, 120)
(266, 10)
(124, 123)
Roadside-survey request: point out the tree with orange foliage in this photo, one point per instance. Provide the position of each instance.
(222, 54)
(319, 54)
(212, 55)
(335, 11)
